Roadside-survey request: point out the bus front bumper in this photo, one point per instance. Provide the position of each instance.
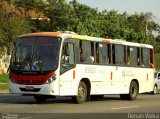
(45, 89)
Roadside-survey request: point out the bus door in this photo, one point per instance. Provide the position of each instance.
(67, 71)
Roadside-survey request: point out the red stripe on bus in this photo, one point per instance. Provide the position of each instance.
(74, 74)
(147, 76)
(111, 75)
(30, 79)
(106, 40)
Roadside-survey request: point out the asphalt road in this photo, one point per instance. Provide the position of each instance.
(146, 106)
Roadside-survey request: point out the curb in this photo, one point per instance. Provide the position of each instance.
(3, 83)
(4, 91)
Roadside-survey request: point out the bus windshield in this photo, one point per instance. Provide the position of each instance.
(35, 54)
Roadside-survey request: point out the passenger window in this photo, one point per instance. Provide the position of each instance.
(145, 57)
(102, 55)
(86, 52)
(132, 56)
(120, 54)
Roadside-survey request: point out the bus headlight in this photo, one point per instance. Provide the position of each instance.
(51, 79)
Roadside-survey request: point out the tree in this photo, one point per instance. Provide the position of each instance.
(12, 25)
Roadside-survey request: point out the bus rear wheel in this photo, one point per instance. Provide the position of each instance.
(133, 92)
(81, 94)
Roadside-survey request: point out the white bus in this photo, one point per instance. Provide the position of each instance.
(67, 64)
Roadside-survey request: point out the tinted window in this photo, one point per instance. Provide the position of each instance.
(86, 50)
(36, 54)
(145, 57)
(102, 54)
(120, 54)
(132, 56)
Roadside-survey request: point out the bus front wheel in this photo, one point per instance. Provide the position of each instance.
(81, 94)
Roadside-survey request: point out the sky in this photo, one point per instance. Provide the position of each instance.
(130, 6)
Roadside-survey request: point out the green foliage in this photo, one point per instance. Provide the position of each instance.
(11, 26)
(3, 81)
(4, 78)
(11, 29)
(3, 87)
(2, 52)
(157, 59)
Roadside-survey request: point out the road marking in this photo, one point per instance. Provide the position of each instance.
(27, 118)
(116, 108)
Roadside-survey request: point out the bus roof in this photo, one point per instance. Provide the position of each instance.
(42, 34)
(85, 37)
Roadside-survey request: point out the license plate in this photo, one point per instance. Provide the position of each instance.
(29, 88)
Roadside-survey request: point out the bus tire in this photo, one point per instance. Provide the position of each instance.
(40, 98)
(154, 92)
(81, 94)
(133, 92)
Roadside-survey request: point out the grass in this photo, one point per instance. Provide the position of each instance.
(4, 87)
(4, 78)
(3, 82)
